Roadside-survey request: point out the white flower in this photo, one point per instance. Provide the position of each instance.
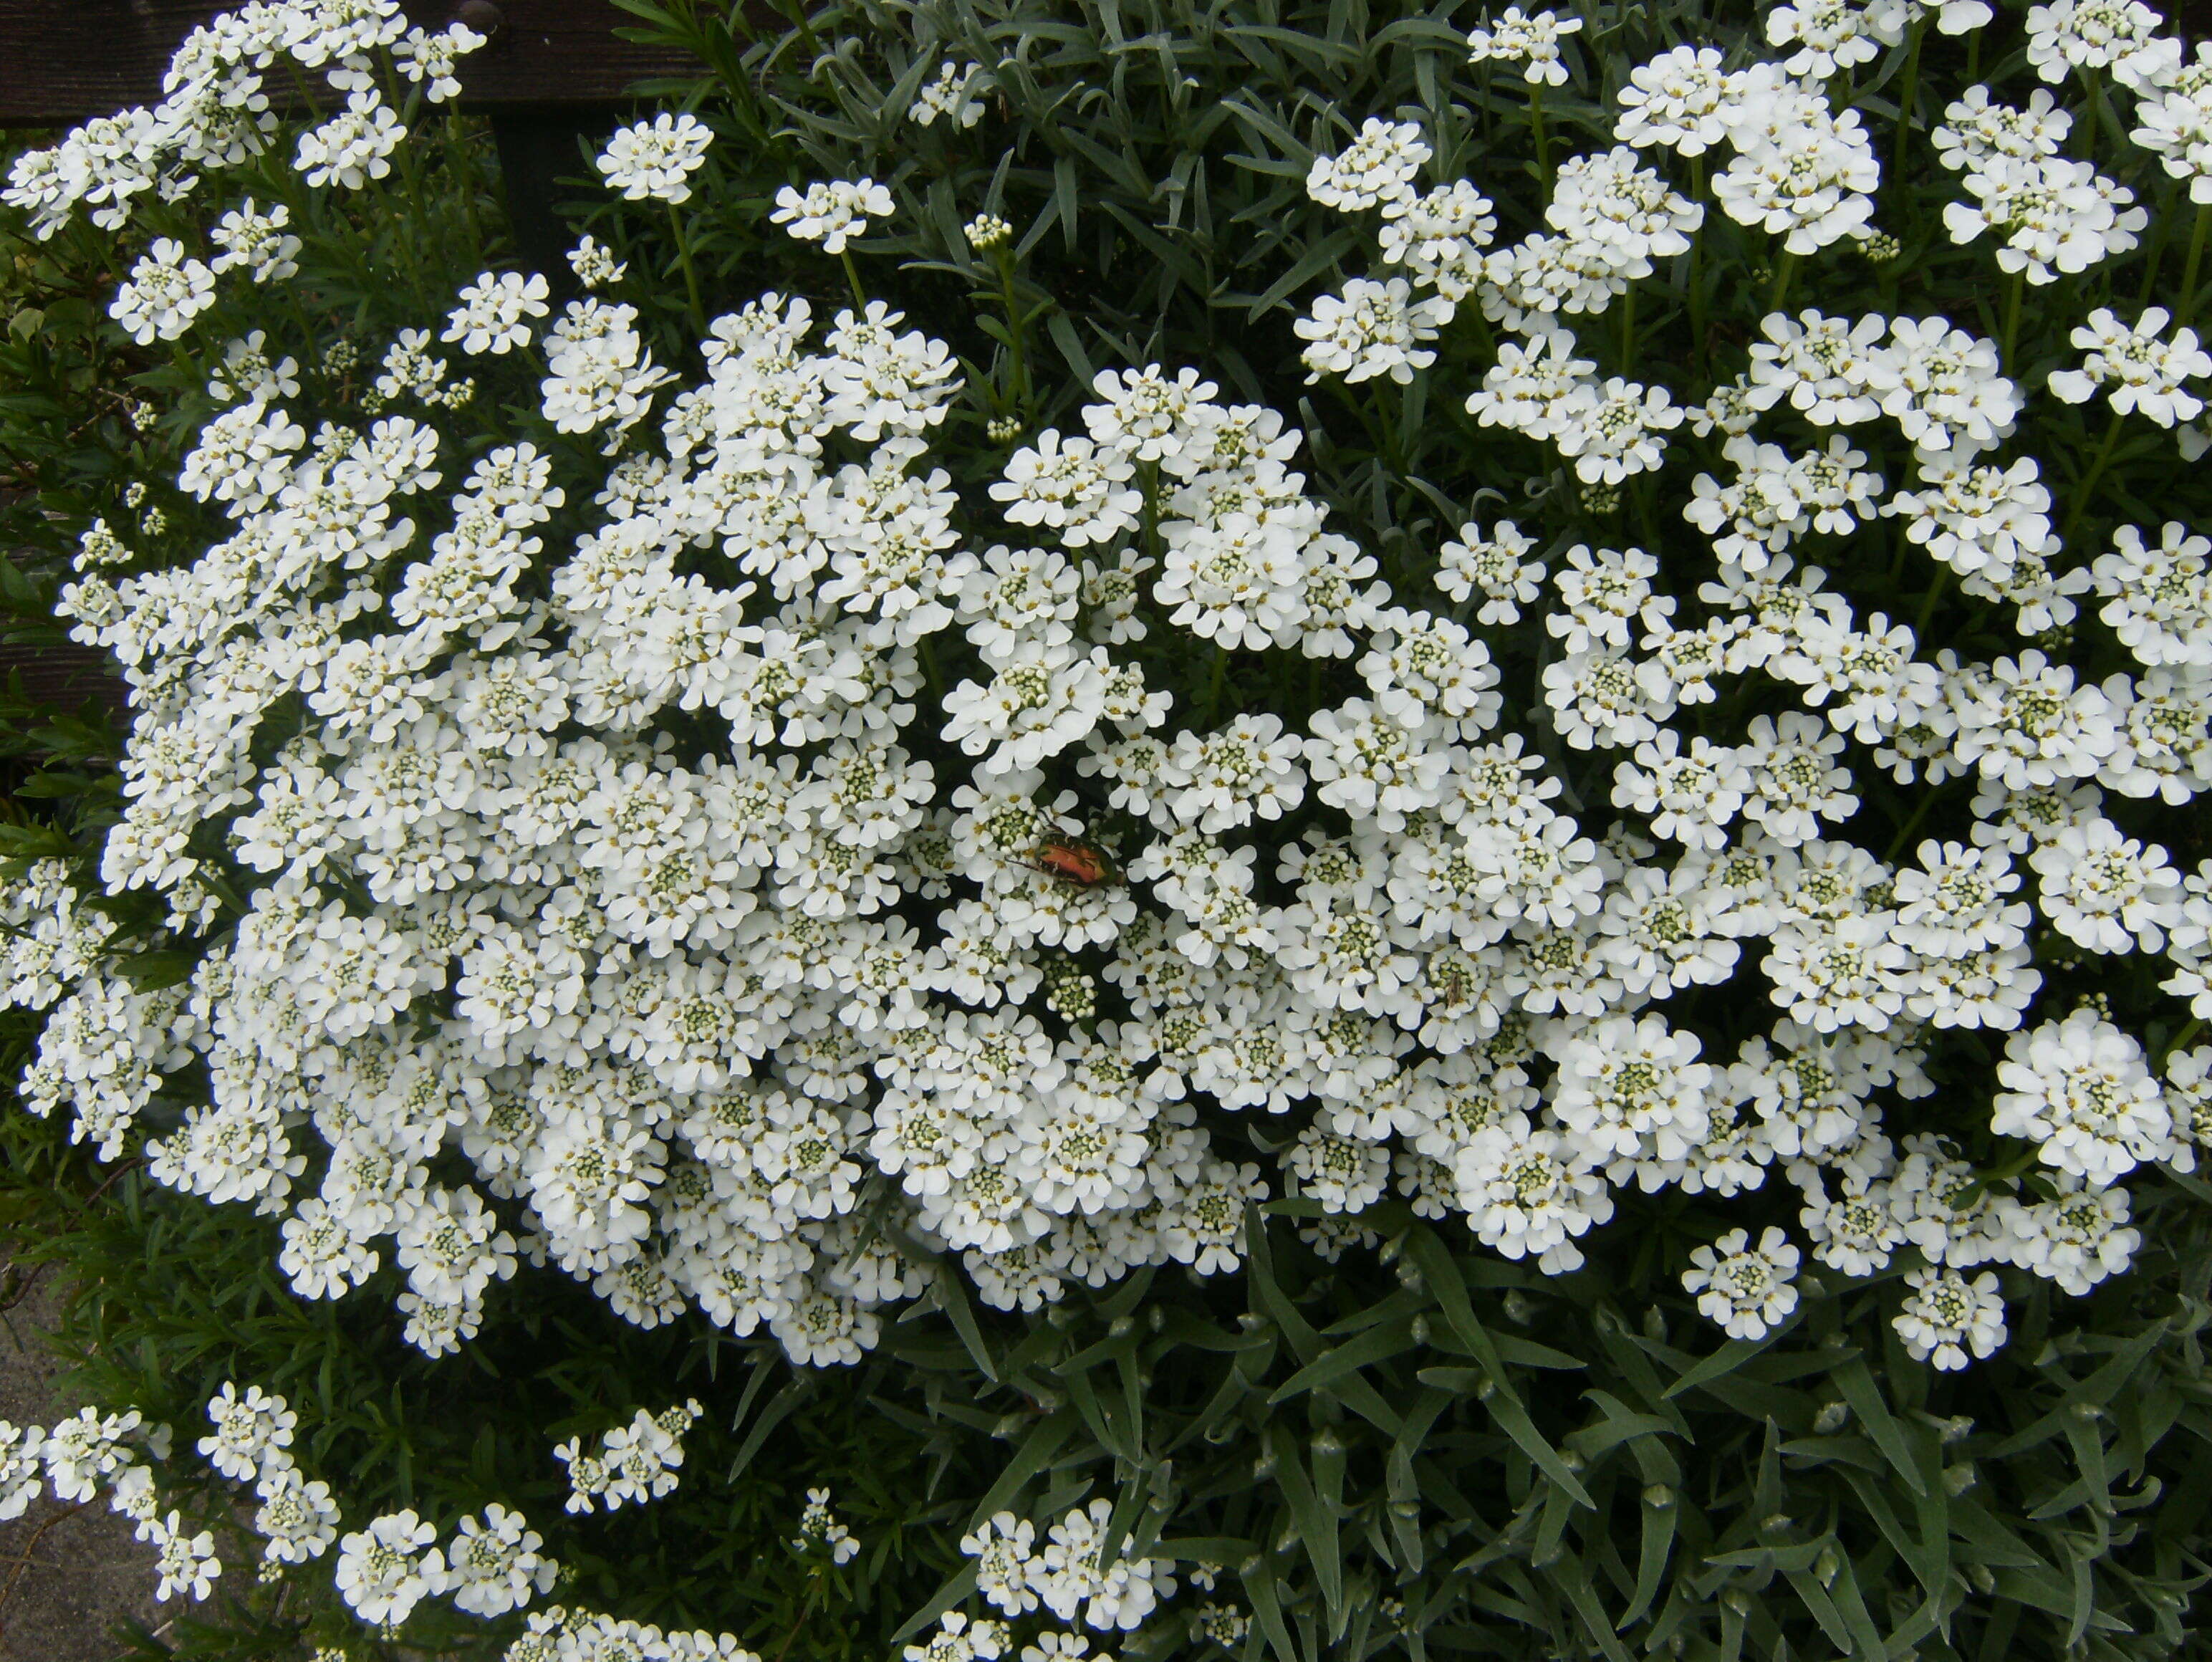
(1857, 1230)
(1829, 36)
(2146, 374)
(653, 160)
(1070, 487)
(1800, 172)
(1946, 1315)
(1828, 369)
(818, 1526)
(1224, 779)
(297, 1517)
(2081, 1089)
(1977, 518)
(1377, 171)
(1529, 1191)
(2056, 216)
(2077, 1237)
(956, 94)
(1372, 766)
(385, 1570)
(2175, 118)
(1942, 386)
(494, 311)
(1492, 565)
(1532, 40)
(2120, 35)
(1438, 238)
(21, 1483)
(2107, 891)
(354, 146)
(2159, 600)
(166, 291)
(1678, 99)
(1372, 329)
(251, 1432)
(831, 212)
(1002, 1546)
(1746, 1289)
(1610, 429)
(185, 1563)
(256, 242)
(429, 60)
(594, 266)
(1045, 697)
(1955, 901)
(495, 1564)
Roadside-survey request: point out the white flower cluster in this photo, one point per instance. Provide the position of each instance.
(831, 212)
(215, 116)
(492, 1565)
(635, 1462)
(691, 850)
(819, 1529)
(90, 1452)
(1066, 1574)
(567, 1634)
(653, 160)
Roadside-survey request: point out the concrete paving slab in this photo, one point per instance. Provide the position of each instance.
(68, 1575)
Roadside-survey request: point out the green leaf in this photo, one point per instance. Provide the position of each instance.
(1372, 1346)
(1856, 1381)
(952, 1300)
(1315, 1520)
(1725, 1361)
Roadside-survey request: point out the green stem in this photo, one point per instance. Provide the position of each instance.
(1697, 274)
(2187, 309)
(1928, 800)
(2174, 1045)
(1149, 533)
(2012, 325)
(853, 277)
(1908, 98)
(1628, 332)
(1536, 130)
(2089, 479)
(462, 167)
(1785, 267)
(691, 272)
(1936, 588)
(1016, 331)
(2102, 115)
(410, 178)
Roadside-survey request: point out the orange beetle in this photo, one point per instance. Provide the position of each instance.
(1075, 863)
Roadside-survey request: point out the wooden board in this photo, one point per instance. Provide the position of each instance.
(65, 675)
(65, 61)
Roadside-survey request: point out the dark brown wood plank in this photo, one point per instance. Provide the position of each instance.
(64, 674)
(62, 62)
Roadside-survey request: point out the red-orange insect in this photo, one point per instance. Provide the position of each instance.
(1075, 863)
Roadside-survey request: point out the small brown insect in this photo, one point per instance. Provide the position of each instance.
(1075, 863)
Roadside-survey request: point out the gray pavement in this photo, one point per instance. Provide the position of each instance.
(67, 1575)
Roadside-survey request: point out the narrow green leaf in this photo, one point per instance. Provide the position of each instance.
(1725, 1361)
(1372, 1346)
(952, 1300)
(1856, 1380)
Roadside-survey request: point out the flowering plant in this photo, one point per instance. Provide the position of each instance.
(1609, 736)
